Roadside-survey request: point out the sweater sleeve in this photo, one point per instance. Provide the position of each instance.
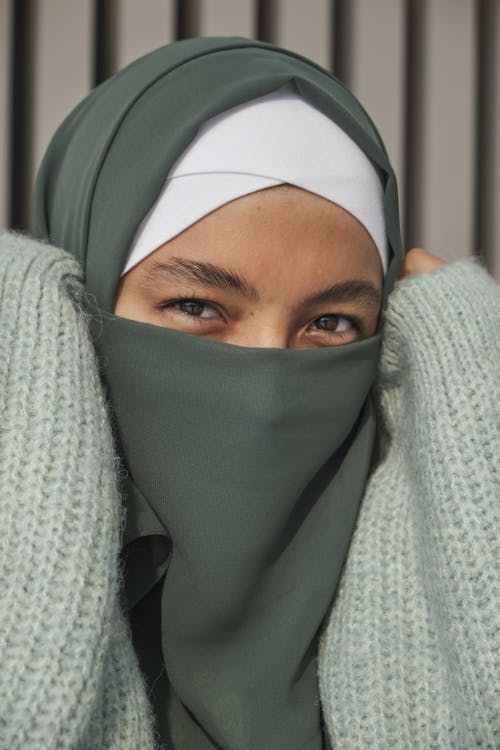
(69, 676)
(410, 655)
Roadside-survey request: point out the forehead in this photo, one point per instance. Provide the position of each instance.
(279, 231)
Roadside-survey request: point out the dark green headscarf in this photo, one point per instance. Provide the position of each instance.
(246, 466)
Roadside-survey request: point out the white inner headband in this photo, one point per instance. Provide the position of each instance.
(275, 139)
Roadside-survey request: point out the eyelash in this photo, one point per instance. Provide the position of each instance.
(355, 322)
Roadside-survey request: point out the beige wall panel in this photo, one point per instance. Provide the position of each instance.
(5, 50)
(141, 27)
(376, 53)
(445, 159)
(63, 64)
(305, 27)
(226, 18)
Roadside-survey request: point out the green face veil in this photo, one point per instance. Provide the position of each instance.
(246, 467)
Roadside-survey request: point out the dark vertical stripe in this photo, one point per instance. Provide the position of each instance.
(187, 14)
(341, 19)
(484, 204)
(412, 104)
(104, 40)
(265, 25)
(21, 114)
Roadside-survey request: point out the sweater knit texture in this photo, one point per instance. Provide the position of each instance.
(409, 653)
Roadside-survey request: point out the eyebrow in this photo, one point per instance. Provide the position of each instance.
(363, 293)
(210, 275)
(206, 274)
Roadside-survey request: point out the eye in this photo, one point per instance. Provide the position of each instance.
(339, 324)
(192, 307)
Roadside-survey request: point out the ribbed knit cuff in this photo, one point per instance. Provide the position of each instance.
(456, 306)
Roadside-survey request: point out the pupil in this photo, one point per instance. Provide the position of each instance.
(192, 306)
(329, 320)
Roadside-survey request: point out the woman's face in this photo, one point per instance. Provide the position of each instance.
(280, 268)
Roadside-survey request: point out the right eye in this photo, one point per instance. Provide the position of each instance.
(191, 307)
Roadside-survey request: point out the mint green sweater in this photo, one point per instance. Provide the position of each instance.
(409, 657)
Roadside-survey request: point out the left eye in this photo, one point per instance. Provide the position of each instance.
(339, 323)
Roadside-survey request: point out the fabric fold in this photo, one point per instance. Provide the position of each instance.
(146, 545)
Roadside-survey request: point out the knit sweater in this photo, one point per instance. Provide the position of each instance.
(408, 657)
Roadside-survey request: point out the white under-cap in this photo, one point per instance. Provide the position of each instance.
(275, 139)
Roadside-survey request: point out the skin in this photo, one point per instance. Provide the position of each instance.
(287, 244)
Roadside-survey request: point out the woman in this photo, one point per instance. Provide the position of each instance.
(245, 450)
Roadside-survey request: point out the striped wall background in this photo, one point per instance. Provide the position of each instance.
(428, 72)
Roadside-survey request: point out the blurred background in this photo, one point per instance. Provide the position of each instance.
(427, 71)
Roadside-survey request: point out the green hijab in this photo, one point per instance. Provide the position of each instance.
(245, 466)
